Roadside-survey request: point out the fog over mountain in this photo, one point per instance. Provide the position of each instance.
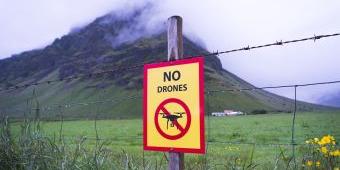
(216, 25)
(331, 100)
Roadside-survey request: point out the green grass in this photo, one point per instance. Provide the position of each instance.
(228, 138)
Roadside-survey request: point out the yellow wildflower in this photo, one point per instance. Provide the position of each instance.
(317, 163)
(309, 163)
(307, 141)
(316, 140)
(324, 150)
(335, 153)
(326, 140)
(336, 168)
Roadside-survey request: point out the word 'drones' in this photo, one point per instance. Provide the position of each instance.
(170, 77)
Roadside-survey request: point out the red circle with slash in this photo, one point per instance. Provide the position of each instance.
(183, 130)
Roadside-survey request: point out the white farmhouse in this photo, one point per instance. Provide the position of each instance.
(232, 112)
(227, 113)
(218, 114)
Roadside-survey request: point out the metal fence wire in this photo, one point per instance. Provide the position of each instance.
(120, 67)
(60, 108)
(95, 105)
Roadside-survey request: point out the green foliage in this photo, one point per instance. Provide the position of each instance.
(262, 111)
(8, 155)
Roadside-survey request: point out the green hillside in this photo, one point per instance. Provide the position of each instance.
(117, 94)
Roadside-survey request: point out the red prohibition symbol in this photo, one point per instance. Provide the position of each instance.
(161, 108)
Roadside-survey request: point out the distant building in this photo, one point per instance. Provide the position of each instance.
(227, 113)
(218, 114)
(232, 112)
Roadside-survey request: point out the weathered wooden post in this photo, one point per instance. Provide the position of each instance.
(175, 52)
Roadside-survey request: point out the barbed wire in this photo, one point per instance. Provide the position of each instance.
(258, 144)
(273, 87)
(76, 77)
(277, 43)
(131, 67)
(74, 104)
(69, 105)
(208, 92)
(96, 102)
(80, 76)
(138, 139)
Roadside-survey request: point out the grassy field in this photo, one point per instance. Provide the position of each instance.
(230, 139)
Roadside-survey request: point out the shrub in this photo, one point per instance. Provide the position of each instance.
(260, 111)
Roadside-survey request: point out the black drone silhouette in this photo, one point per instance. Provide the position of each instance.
(172, 118)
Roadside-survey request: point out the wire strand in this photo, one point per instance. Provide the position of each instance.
(277, 43)
(80, 76)
(273, 87)
(94, 74)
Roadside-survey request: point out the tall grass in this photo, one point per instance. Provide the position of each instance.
(31, 148)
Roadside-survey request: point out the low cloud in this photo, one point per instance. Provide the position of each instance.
(218, 24)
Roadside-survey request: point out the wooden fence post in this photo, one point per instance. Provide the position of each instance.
(175, 52)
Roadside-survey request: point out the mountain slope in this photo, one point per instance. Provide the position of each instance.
(331, 99)
(112, 42)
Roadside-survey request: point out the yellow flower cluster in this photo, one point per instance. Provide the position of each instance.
(328, 139)
(326, 145)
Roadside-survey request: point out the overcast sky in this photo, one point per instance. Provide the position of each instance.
(220, 24)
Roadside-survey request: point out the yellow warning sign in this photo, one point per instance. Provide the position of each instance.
(174, 106)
